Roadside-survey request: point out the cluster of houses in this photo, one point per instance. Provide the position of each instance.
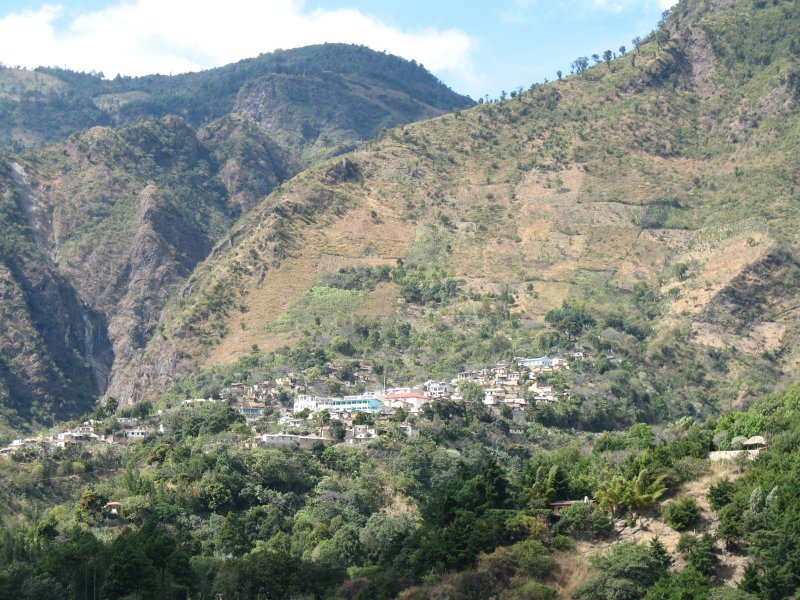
(509, 383)
(512, 383)
(132, 430)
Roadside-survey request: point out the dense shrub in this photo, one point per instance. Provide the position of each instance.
(584, 520)
(682, 513)
(721, 493)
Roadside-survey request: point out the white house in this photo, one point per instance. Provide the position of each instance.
(409, 401)
(439, 389)
(494, 396)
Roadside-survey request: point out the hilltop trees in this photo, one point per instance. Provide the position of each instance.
(580, 64)
(662, 38)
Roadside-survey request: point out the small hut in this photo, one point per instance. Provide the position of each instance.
(757, 442)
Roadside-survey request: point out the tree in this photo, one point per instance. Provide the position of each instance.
(337, 431)
(492, 484)
(624, 573)
(341, 346)
(637, 42)
(611, 494)
(721, 493)
(637, 494)
(362, 418)
(641, 436)
(623, 50)
(583, 519)
(662, 38)
(548, 484)
(729, 593)
(559, 74)
(130, 570)
(689, 584)
(92, 503)
(596, 58)
(700, 552)
(643, 492)
(471, 393)
(383, 535)
(572, 320)
(660, 555)
(580, 64)
(607, 56)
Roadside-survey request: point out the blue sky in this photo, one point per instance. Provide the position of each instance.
(476, 48)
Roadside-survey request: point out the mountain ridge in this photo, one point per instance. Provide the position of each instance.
(51, 103)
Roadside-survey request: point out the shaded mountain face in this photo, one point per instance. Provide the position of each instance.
(54, 347)
(103, 227)
(656, 193)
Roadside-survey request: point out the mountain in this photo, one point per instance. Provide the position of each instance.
(643, 209)
(101, 228)
(312, 98)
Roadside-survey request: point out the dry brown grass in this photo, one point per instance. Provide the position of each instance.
(720, 263)
(572, 569)
(354, 239)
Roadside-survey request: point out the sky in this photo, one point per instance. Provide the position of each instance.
(477, 47)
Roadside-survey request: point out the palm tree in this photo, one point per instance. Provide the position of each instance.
(612, 493)
(643, 493)
(637, 494)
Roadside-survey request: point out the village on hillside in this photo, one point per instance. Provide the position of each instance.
(304, 419)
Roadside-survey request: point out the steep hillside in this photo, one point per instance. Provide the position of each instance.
(655, 194)
(54, 349)
(105, 225)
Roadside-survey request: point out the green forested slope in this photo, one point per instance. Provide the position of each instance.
(462, 510)
(48, 104)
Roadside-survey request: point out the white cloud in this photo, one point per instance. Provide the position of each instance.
(140, 37)
(618, 6)
(518, 10)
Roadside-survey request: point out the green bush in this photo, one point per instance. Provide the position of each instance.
(700, 552)
(533, 558)
(682, 513)
(531, 590)
(582, 519)
(721, 493)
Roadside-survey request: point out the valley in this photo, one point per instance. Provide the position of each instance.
(313, 325)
